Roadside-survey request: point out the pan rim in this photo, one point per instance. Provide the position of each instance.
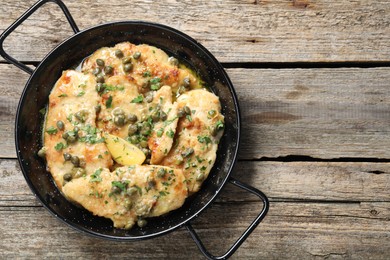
(215, 64)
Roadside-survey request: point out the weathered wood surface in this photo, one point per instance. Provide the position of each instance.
(234, 31)
(284, 111)
(317, 210)
(335, 205)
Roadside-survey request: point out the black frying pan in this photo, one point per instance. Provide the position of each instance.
(29, 122)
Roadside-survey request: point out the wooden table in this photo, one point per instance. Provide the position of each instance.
(313, 81)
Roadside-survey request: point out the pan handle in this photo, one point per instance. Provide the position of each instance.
(246, 233)
(21, 19)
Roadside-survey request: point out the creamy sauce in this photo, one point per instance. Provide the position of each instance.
(139, 94)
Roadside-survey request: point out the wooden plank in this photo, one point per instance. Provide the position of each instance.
(289, 231)
(323, 113)
(234, 31)
(292, 181)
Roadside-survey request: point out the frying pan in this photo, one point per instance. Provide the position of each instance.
(29, 121)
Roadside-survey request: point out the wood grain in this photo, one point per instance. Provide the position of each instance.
(323, 113)
(234, 31)
(281, 181)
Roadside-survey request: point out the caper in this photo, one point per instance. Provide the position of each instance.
(187, 110)
(76, 129)
(71, 139)
(82, 164)
(146, 151)
(180, 112)
(143, 143)
(118, 53)
(100, 78)
(149, 97)
(130, 191)
(108, 70)
(186, 81)
(173, 61)
(82, 115)
(132, 118)
(155, 116)
(127, 67)
(75, 160)
(200, 177)
(151, 184)
(100, 62)
(133, 139)
(132, 129)
(60, 125)
(115, 189)
(119, 120)
(98, 108)
(118, 111)
(128, 204)
(141, 222)
(214, 131)
(161, 172)
(67, 177)
(65, 135)
(67, 156)
(188, 152)
(96, 71)
(145, 130)
(78, 172)
(126, 60)
(137, 55)
(163, 116)
(99, 87)
(42, 152)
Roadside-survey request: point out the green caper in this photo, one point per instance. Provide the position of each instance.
(126, 60)
(134, 139)
(98, 108)
(200, 177)
(188, 152)
(67, 177)
(141, 222)
(100, 62)
(118, 111)
(143, 143)
(108, 70)
(132, 118)
(82, 164)
(115, 189)
(155, 116)
(71, 139)
(127, 67)
(173, 61)
(100, 78)
(149, 97)
(67, 156)
(75, 160)
(128, 204)
(132, 129)
(96, 71)
(118, 53)
(76, 129)
(151, 184)
(137, 55)
(82, 115)
(181, 113)
(60, 125)
(145, 130)
(42, 152)
(99, 87)
(186, 81)
(161, 172)
(187, 110)
(163, 116)
(146, 151)
(119, 120)
(65, 135)
(78, 172)
(130, 191)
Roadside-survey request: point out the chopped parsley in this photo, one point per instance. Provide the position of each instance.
(189, 118)
(219, 125)
(155, 83)
(204, 139)
(95, 177)
(63, 95)
(51, 130)
(138, 99)
(59, 146)
(170, 133)
(147, 74)
(81, 93)
(160, 132)
(109, 102)
(120, 184)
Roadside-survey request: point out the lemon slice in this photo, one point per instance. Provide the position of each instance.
(123, 152)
